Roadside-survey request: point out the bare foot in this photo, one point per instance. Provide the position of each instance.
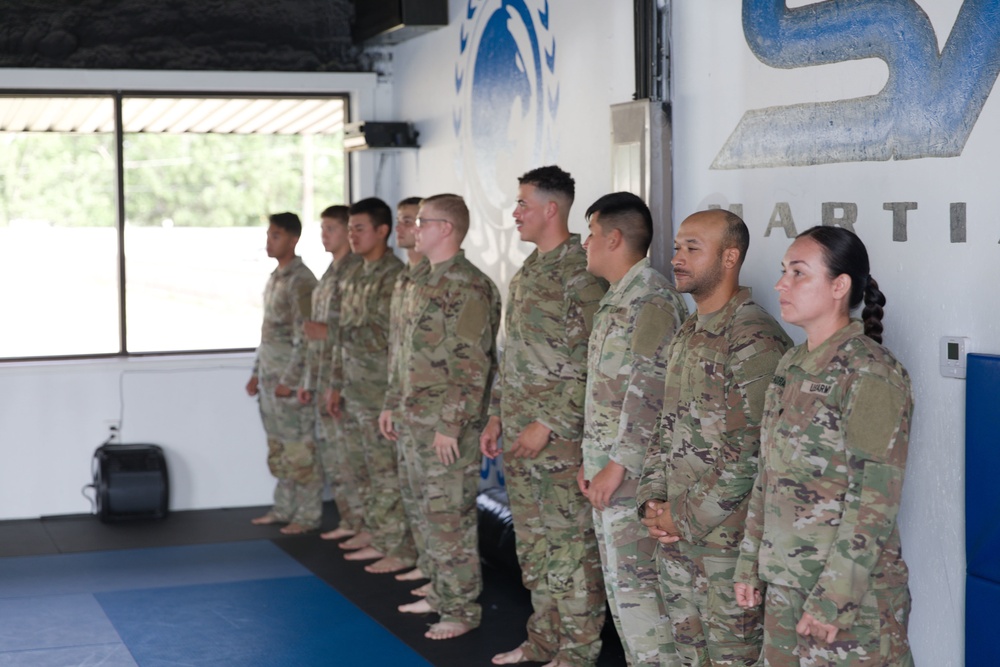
(510, 657)
(359, 541)
(418, 607)
(557, 663)
(412, 575)
(422, 591)
(266, 520)
(386, 565)
(296, 529)
(368, 553)
(337, 533)
(446, 630)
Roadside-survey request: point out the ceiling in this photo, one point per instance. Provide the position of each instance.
(173, 115)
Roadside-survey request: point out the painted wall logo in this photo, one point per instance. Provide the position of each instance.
(507, 97)
(928, 106)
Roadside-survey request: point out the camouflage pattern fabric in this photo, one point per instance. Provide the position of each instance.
(446, 359)
(360, 372)
(410, 488)
(703, 460)
(542, 377)
(821, 529)
(329, 432)
(626, 370)
(292, 456)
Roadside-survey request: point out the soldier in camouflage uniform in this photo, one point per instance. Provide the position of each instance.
(821, 532)
(625, 379)
(277, 372)
(701, 465)
(406, 238)
(447, 359)
(359, 374)
(321, 335)
(538, 403)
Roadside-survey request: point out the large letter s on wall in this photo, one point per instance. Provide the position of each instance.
(927, 108)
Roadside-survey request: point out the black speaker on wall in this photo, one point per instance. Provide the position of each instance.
(395, 21)
(131, 482)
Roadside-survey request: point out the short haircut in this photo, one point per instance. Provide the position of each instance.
(551, 179)
(628, 214)
(453, 208)
(409, 201)
(736, 235)
(337, 212)
(287, 221)
(376, 209)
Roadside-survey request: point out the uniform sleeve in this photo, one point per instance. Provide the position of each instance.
(563, 414)
(876, 434)
(393, 392)
(653, 480)
(335, 352)
(470, 319)
(301, 291)
(313, 353)
(724, 486)
(652, 330)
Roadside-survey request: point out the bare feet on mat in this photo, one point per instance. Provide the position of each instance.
(296, 529)
(412, 575)
(359, 541)
(337, 533)
(510, 657)
(266, 520)
(418, 607)
(446, 630)
(386, 565)
(422, 591)
(368, 553)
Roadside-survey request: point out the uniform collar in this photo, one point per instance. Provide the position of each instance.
(813, 362)
(290, 267)
(625, 282)
(717, 321)
(438, 269)
(556, 255)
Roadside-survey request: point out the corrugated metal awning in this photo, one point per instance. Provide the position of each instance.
(173, 115)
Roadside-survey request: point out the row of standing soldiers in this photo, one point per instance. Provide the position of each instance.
(631, 431)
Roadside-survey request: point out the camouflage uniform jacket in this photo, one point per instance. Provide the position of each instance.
(326, 309)
(447, 352)
(626, 368)
(704, 458)
(360, 370)
(287, 305)
(550, 311)
(401, 292)
(833, 451)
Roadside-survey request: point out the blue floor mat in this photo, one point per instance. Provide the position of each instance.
(235, 604)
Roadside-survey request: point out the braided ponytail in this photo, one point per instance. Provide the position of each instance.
(872, 313)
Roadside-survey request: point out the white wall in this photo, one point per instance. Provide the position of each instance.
(934, 287)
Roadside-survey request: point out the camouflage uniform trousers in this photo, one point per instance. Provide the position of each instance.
(292, 457)
(878, 636)
(628, 554)
(384, 516)
(446, 498)
(412, 491)
(558, 554)
(709, 627)
(336, 469)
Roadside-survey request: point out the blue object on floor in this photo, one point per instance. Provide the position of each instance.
(240, 604)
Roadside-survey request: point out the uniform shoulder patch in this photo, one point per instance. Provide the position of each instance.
(473, 319)
(873, 416)
(651, 327)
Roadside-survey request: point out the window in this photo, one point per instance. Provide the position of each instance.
(185, 268)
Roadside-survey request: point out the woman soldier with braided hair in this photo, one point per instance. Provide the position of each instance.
(821, 549)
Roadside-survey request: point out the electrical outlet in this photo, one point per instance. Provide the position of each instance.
(113, 427)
